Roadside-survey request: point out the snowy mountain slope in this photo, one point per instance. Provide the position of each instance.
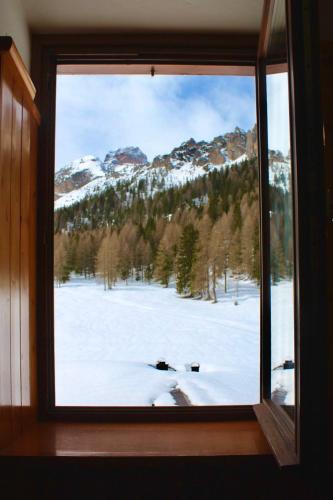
(89, 175)
(157, 178)
(122, 156)
(279, 174)
(77, 174)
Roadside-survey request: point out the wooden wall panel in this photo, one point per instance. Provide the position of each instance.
(15, 267)
(18, 141)
(28, 267)
(5, 183)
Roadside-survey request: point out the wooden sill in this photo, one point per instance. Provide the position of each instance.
(279, 433)
(54, 439)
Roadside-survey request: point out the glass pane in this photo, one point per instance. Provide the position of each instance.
(156, 241)
(281, 220)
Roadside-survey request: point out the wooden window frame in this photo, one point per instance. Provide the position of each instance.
(309, 211)
(178, 53)
(299, 441)
(279, 428)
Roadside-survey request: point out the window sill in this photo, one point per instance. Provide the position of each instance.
(210, 439)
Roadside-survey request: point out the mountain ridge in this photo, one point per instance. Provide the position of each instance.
(89, 175)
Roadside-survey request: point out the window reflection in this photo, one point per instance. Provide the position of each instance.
(281, 240)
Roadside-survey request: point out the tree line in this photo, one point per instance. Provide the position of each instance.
(197, 234)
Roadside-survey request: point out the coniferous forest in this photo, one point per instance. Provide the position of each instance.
(198, 234)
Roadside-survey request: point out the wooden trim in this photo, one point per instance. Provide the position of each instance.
(149, 414)
(55, 439)
(276, 67)
(310, 217)
(277, 425)
(45, 220)
(7, 45)
(266, 23)
(305, 441)
(296, 250)
(265, 288)
(48, 52)
(236, 47)
(159, 69)
(278, 436)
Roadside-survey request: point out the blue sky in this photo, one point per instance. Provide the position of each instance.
(96, 114)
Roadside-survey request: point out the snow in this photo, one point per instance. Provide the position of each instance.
(180, 173)
(238, 160)
(282, 336)
(89, 162)
(105, 343)
(76, 195)
(112, 157)
(279, 174)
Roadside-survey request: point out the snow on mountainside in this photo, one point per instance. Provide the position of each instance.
(123, 156)
(279, 170)
(89, 175)
(77, 174)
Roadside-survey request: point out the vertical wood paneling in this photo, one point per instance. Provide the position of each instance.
(5, 183)
(28, 267)
(18, 142)
(32, 230)
(15, 266)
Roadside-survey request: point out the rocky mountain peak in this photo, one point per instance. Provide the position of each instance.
(223, 148)
(129, 155)
(77, 173)
(187, 161)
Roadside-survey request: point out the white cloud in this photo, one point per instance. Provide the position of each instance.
(99, 113)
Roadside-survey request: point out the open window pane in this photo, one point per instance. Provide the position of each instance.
(156, 244)
(281, 218)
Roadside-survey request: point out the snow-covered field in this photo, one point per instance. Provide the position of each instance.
(282, 336)
(105, 343)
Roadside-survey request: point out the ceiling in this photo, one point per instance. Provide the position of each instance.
(101, 16)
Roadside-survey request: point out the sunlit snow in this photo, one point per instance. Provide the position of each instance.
(106, 342)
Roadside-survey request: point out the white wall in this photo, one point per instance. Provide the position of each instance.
(14, 24)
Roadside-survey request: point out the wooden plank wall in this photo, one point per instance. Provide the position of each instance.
(18, 141)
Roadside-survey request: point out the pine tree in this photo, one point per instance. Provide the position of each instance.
(141, 258)
(163, 266)
(108, 259)
(236, 258)
(213, 208)
(148, 274)
(250, 244)
(128, 237)
(219, 252)
(236, 221)
(61, 267)
(277, 257)
(255, 270)
(201, 268)
(186, 259)
(103, 258)
(215, 250)
(277, 263)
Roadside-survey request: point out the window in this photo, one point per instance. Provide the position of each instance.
(288, 422)
(229, 402)
(278, 266)
(156, 245)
